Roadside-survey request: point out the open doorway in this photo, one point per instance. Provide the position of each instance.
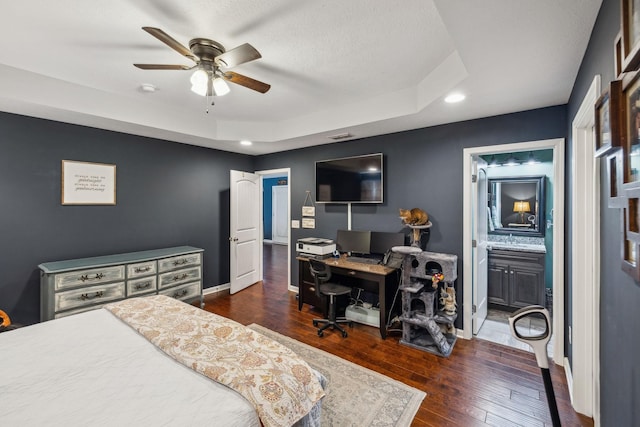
(518, 210)
(276, 214)
(514, 221)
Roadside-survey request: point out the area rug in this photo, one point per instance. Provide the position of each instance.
(356, 396)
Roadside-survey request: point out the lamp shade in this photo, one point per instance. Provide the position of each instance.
(521, 206)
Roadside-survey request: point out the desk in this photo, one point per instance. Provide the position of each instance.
(374, 278)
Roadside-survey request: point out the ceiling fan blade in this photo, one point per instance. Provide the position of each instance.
(245, 81)
(170, 41)
(162, 67)
(237, 55)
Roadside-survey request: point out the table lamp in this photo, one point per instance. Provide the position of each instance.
(521, 207)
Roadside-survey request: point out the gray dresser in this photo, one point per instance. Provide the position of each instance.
(77, 285)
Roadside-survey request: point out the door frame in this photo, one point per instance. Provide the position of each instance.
(266, 174)
(583, 372)
(557, 145)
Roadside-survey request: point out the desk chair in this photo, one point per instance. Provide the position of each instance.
(321, 274)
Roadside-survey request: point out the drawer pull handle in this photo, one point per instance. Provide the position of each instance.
(180, 276)
(352, 273)
(142, 269)
(86, 277)
(312, 288)
(180, 294)
(85, 297)
(143, 285)
(180, 261)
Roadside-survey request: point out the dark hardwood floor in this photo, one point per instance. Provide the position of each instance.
(481, 383)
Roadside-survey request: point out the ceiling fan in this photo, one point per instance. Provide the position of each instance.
(210, 57)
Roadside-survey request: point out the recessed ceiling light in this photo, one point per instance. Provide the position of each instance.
(454, 97)
(245, 142)
(148, 87)
(340, 136)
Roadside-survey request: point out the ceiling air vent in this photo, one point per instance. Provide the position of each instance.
(340, 136)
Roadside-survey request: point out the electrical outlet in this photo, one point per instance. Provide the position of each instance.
(295, 223)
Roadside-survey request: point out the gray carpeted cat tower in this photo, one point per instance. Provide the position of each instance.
(427, 324)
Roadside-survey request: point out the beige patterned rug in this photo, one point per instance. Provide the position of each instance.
(356, 396)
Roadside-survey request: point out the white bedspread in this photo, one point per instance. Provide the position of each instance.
(91, 369)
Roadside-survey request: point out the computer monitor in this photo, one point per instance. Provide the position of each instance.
(353, 241)
(382, 241)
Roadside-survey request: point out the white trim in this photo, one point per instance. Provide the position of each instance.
(558, 233)
(569, 376)
(585, 259)
(279, 172)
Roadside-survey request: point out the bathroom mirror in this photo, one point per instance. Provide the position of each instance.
(516, 205)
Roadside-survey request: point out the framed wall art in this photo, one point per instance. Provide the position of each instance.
(608, 121)
(630, 249)
(617, 56)
(85, 183)
(631, 124)
(630, 28)
(617, 198)
(632, 208)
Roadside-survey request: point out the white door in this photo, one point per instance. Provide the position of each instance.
(244, 242)
(279, 209)
(479, 191)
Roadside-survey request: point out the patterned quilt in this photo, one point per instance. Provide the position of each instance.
(280, 385)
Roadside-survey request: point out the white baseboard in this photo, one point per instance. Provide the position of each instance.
(569, 375)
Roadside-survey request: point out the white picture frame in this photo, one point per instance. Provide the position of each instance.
(87, 183)
(308, 223)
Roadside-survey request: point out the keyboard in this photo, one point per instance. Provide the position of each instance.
(363, 260)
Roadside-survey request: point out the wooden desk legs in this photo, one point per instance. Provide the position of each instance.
(382, 300)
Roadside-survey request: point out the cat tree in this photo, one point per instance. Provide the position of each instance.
(417, 232)
(425, 326)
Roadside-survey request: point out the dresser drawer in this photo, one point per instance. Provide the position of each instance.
(88, 296)
(78, 310)
(167, 264)
(142, 269)
(141, 286)
(183, 292)
(88, 277)
(177, 277)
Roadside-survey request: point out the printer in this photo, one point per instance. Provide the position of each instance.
(315, 246)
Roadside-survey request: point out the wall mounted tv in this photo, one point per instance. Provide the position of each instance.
(350, 180)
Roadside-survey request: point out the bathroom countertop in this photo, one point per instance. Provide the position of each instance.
(520, 247)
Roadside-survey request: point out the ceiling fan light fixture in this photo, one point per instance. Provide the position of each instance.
(200, 81)
(199, 77)
(220, 87)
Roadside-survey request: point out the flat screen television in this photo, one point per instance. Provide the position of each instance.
(350, 180)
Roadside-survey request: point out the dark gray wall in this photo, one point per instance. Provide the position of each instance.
(167, 195)
(423, 168)
(619, 294)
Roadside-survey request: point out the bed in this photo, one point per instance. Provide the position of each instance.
(102, 367)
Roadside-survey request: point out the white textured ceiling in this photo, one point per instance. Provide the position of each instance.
(366, 67)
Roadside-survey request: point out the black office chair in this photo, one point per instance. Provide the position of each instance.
(321, 274)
